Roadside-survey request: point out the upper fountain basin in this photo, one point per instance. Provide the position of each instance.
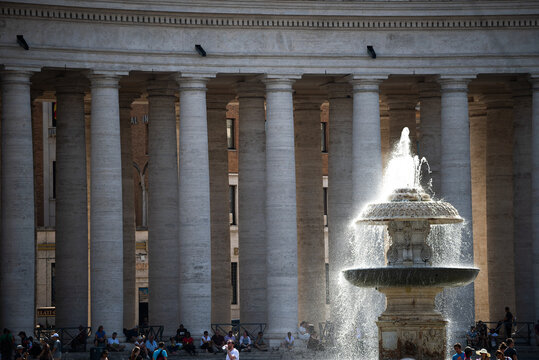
(411, 276)
(410, 204)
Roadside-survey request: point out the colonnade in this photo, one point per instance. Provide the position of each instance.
(280, 196)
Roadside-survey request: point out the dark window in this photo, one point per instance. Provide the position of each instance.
(324, 130)
(53, 123)
(54, 179)
(53, 276)
(234, 281)
(230, 135)
(327, 283)
(325, 206)
(232, 212)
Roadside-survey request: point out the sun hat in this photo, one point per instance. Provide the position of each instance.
(482, 351)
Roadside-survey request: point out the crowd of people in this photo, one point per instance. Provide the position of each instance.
(505, 351)
(44, 349)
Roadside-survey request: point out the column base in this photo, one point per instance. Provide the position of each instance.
(411, 327)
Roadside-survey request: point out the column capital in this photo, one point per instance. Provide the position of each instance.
(534, 81)
(520, 87)
(496, 100)
(15, 77)
(454, 83)
(279, 83)
(308, 101)
(251, 89)
(400, 101)
(161, 87)
(366, 83)
(193, 81)
(104, 80)
(338, 90)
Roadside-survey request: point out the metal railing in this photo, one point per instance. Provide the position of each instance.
(238, 329)
(521, 331)
(155, 330)
(72, 338)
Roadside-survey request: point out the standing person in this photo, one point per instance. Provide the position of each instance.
(135, 354)
(24, 340)
(459, 354)
(56, 347)
(468, 352)
(104, 355)
(160, 353)
(508, 322)
(510, 352)
(46, 351)
(6, 345)
(484, 354)
(21, 353)
(231, 353)
(500, 355)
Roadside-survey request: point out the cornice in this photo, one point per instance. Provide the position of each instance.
(306, 20)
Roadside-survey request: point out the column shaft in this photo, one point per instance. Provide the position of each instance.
(478, 158)
(281, 226)
(71, 284)
(163, 249)
(310, 210)
(456, 185)
(535, 188)
(128, 210)
(221, 291)
(17, 245)
(106, 219)
(499, 201)
(252, 198)
(430, 115)
(522, 202)
(194, 213)
(402, 114)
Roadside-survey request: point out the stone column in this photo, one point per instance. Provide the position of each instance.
(163, 247)
(17, 245)
(281, 226)
(430, 142)
(194, 213)
(478, 161)
(456, 185)
(402, 114)
(128, 209)
(310, 210)
(106, 219)
(522, 202)
(221, 291)
(71, 283)
(366, 142)
(535, 186)
(384, 134)
(340, 204)
(499, 201)
(252, 203)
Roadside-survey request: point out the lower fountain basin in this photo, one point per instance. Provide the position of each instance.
(402, 276)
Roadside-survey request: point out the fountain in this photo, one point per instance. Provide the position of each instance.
(410, 326)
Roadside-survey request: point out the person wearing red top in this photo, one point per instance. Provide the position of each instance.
(188, 344)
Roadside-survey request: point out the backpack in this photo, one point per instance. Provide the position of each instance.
(160, 355)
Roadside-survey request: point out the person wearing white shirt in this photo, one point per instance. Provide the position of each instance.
(303, 334)
(245, 342)
(288, 342)
(206, 343)
(231, 353)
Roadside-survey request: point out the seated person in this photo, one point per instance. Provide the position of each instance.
(131, 334)
(174, 347)
(230, 336)
(260, 343)
(206, 343)
(245, 342)
(288, 342)
(188, 344)
(100, 339)
(314, 342)
(303, 334)
(218, 341)
(150, 345)
(114, 344)
(180, 333)
(142, 345)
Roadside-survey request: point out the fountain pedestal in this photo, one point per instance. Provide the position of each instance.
(411, 327)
